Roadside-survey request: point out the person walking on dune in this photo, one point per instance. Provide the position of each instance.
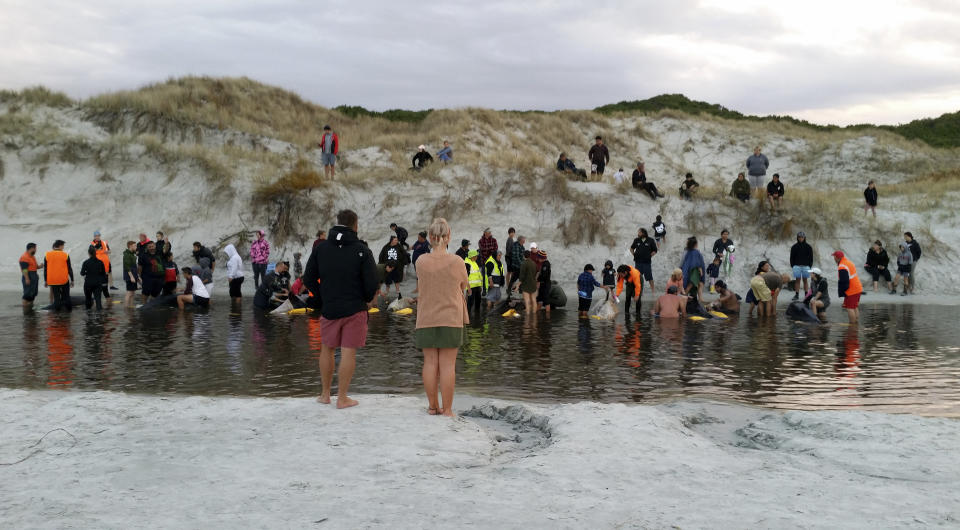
(870, 199)
(757, 165)
(329, 149)
(342, 272)
(441, 317)
(599, 157)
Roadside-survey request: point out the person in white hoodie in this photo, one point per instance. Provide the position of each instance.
(234, 271)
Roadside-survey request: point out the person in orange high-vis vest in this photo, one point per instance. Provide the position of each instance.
(58, 275)
(103, 254)
(634, 281)
(848, 285)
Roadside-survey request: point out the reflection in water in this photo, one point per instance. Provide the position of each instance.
(901, 357)
(60, 351)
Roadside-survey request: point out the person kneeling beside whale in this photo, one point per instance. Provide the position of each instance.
(195, 292)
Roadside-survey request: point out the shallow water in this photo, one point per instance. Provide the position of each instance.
(902, 358)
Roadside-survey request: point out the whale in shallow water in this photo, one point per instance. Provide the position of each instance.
(801, 313)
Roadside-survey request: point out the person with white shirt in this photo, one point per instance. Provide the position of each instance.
(234, 271)
(195, 292)
(619, 176)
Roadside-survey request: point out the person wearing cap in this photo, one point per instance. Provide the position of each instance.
(727, 303)
(801, 259)
(757, 165)
(528, 282)
(493, 274)
(586, 282)
(819, 298)
(259, 256)
(421, 158)
(775, 192)
(329, 149)
(848, 285)
(464, 249)
(103, 254)
(487, 245)
(475, 279)
(445, 155)
(634, 282)
(878, 264)
(670, 305)
(639, 181)
(538, 255)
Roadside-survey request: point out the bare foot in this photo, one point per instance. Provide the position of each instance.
(345, 402)
(323, 399)
(433, 411)
(448, 413)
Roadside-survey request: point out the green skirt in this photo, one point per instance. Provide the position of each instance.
(438, 337)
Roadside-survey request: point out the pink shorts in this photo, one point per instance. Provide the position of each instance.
(346, 332)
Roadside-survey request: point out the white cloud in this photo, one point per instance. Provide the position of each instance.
(852, 60)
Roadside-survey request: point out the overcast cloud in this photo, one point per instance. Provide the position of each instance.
(839, 61)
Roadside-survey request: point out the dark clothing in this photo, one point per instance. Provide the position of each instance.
(568, 165)
(870, 195)
(130, 266)
(204, 252)
(259, 272)
(475, 301)
(93, 272)
(270, 285)
(878, 259)
(757, 165)
(719, 247)
(402, 236)
(659, 230)
(462, 252)
(420, 248)
(395, 253)
(609, 276)
(643, 250)
(494, 271)
(639, 180)
(630, 294)
(585, 284)
(543, 294)
(599, 155)
(914, 249)
(687, 187)
(819, 287)
(487, 246)
(235, 284)
(801, 253)
(713, 270)
(421, 159)
(740, 189)
(30, 291)
(344, 265)
(91, 294)
(61, 297)
(775, 188)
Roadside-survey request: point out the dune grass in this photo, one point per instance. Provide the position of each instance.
(36, 95)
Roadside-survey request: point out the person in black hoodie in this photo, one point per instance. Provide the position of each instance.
(94, 279)
(421, 159)
(273, 290)
(644, 248)
(200, 251)
(915, 250)
(870, 199)
(341, 272)
(394, 251)
(775, 192)
(801, 259)
(878, 264)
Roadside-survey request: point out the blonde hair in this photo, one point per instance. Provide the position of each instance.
(439, 231)
(677, 274)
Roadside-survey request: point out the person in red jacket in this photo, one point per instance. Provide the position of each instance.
(329, 149)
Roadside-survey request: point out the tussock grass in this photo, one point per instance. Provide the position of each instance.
(302, 177)
(36, 95)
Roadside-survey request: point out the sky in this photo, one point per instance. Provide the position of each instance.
(827, 61)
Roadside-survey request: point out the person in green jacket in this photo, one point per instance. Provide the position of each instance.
(740, 188)
(130, 274)
(528, 282)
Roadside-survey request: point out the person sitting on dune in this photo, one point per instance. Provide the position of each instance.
(689, 187)
(566, 165)
(446, 154)
(421, 159)
(740, 188)
(639, 180)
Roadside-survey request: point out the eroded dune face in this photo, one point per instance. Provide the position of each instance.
(69, 170)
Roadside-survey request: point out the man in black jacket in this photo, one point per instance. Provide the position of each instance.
(801, 259)
(599, 156)
(775, 192)
(643, 249)
(347, 275)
